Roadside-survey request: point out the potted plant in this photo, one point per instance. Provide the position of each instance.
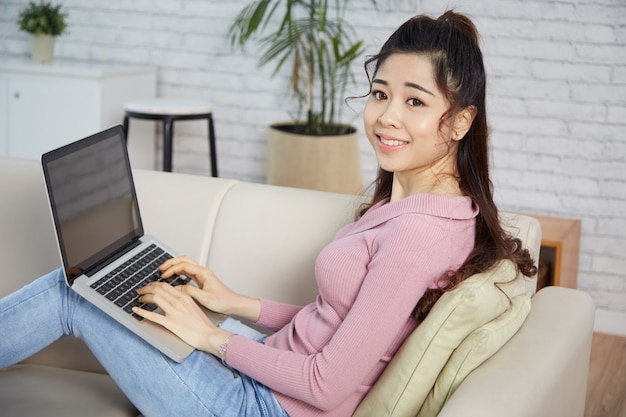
(44, 22)
(314, 38)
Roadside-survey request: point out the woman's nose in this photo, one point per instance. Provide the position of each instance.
(389, 116)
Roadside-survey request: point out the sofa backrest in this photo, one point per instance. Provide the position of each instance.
(528, 230)
(255, 236)
(181, 210)
(266, 238)
(260, 239)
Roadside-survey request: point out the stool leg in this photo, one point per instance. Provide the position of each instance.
(125, 129)
(168, 133)
(212, 147)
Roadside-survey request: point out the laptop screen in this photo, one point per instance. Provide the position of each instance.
(93, 201)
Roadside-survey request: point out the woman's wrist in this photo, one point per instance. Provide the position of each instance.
(218, 343)
(246, 307)
(224, 347)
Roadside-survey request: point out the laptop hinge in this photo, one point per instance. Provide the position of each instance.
(115, 255)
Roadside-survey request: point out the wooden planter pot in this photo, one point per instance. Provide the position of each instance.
(325, 163)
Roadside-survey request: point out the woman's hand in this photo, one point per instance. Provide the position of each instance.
(210, 291)
(181, 315)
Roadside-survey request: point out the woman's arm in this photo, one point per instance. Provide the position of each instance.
(276, 315)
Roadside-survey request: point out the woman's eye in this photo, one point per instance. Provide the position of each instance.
(379, 95)
(413, 102)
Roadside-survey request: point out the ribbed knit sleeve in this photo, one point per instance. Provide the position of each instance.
(333, 350)
(275, 315)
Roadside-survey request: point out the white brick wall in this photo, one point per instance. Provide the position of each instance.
(557, 98)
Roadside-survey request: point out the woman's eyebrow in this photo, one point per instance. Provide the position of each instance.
(419, 87)
(407, 84)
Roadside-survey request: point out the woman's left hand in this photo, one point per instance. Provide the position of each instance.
(181, 315)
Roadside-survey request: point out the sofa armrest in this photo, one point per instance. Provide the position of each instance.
(542, 370)
(29, 247)
(29, 250)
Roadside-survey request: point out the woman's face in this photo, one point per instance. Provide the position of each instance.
(402, 120)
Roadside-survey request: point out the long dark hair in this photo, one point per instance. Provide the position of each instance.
(452, 44)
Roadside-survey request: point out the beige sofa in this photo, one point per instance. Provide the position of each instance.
(262, 240)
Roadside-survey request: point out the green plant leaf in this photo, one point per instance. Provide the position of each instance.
(42, 18)
(316, 39)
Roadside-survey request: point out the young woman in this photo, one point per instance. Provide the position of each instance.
(431, 223)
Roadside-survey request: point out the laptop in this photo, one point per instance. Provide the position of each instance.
(105, 254)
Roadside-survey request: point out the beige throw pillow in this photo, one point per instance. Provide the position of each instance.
(404, 385)
(479, 346)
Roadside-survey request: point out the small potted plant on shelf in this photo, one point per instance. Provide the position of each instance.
(316, 40)
(44, 22)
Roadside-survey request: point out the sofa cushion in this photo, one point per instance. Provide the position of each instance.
(411, 374)
(479, 346)
(32, 390)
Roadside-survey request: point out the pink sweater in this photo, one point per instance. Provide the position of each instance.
(324, 357)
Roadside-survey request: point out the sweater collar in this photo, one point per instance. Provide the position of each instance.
(454, 208)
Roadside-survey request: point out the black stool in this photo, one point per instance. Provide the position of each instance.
(168, 110)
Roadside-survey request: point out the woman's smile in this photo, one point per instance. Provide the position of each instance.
(389, 143)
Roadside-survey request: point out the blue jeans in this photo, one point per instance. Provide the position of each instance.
(46, 310)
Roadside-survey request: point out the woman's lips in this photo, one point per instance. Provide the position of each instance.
(389, 143)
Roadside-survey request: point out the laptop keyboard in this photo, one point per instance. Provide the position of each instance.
(120, 285)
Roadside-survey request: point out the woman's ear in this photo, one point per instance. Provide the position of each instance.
(463, 122)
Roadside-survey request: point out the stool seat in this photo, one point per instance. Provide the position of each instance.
(168, 110)
(169, 106)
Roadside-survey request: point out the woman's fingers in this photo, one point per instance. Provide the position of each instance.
(164, 294)
(157, 293)
(201, 296)
(171, 266)
(150, 315)
(210, 291)
(179, 259)
(179, 266)
(158, 287)
(181, 314)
